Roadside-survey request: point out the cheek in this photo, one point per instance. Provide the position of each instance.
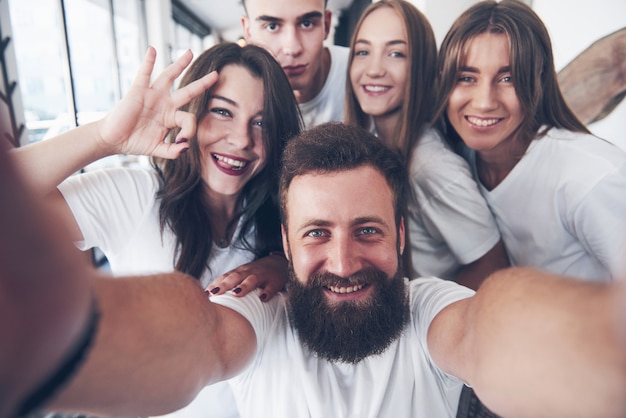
(305, 259)
(453, 105)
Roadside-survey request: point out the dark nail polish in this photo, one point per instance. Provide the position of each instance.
(237, 290)
(181, 140)
(263, 296)
(215, 290)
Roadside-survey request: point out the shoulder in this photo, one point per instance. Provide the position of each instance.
(572, 147)
(435, 166)
(123, 180)
(429, 296)
(577, 159)
(260, 315)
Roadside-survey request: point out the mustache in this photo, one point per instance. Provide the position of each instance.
(360, 278)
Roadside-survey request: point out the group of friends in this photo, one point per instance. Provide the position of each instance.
(443, 165)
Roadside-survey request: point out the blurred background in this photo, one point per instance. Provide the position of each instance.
(67, 62)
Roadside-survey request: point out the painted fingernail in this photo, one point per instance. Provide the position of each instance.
(215, 290)
(184, 150)
(237, 290)
(181, 140)
(263, 296)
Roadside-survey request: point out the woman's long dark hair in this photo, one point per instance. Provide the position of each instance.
(183, 199)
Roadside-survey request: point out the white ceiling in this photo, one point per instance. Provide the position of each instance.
(224, 16)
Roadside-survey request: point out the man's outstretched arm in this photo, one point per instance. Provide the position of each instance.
(536, 344)
(160, 341)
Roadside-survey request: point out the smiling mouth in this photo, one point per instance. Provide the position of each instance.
(345, 290)
(483, 123)
(375, 89)
(229, 163)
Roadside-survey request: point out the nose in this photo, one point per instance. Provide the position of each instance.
(291, 44)
(375, 66)
(343, 258)
(240, 136)
(485, 96)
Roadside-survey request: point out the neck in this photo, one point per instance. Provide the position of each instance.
(386, 126)
(222, 211)
(494, 165)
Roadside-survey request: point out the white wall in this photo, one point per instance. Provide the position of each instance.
(573, 26)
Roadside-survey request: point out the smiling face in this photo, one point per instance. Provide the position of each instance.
(347, 300)
(483, 107)
(294, 32)
(230, 136)
(380, 66)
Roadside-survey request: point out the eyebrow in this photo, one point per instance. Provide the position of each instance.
(306, 16)
(502, 70)
(225, 99)
(390, 43)
(356, 222)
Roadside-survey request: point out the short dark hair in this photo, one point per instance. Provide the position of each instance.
(334, 147)
(243, 3)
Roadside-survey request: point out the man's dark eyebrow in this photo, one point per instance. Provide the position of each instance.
(310, 16)
(367, 220)
(268, 19)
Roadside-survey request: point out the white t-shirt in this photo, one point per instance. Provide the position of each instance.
(285, 380)
(116, 211)
(563, 206)
(328, 105)
(449, 221)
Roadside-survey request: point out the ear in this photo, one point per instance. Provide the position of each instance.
(285, 242)
(401, 235)
(245, 25)
(327, 21)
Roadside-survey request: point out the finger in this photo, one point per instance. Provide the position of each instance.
(269, 291)
(246, 286)
(145, 69)
(171, 151)
(187, 123)
(167, 77)
(184, 94)
(225, 282)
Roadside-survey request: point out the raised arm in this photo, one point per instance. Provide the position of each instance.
(536, 344)
(137, 125)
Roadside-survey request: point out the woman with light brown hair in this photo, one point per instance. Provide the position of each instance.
(391, 90)
(558, 193)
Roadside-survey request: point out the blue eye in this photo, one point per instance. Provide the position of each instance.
(316, 233)
(221, 111)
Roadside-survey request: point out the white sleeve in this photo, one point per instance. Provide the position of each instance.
(107, 203)
(599, 222)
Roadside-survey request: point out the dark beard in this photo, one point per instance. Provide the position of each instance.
(348, 331)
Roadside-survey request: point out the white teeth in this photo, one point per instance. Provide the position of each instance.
(237, 165)
(376, 89)
(337, 289)
(482, 122)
